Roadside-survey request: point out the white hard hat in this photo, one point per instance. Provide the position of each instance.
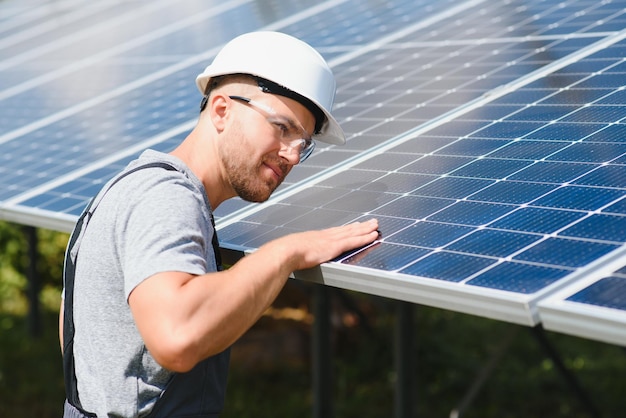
(293, 69)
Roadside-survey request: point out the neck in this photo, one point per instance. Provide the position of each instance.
(199, 152)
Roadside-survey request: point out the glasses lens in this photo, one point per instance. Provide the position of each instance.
(307, 149)
(294, 139)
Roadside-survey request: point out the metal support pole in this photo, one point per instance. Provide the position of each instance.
(322, 356)
(539, 334)
(34, 317)
(404, 357)
(484, 374)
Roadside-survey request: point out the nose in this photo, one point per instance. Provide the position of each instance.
(289, 154)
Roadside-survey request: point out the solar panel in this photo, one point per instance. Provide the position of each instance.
(497, 212)
(487, 137)
(119, 120)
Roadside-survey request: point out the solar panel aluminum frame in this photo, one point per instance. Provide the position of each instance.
(581, 319)
(474, 300)
(36, 217)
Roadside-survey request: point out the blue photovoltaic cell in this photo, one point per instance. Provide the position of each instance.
(397, 182)
(367, 200)
(436, 164)
(519, 278)
(448, 266)
(524, 96)
(617, 208)
(595, 114)
(452, 187)
(611, 228)
(313, 196)
(615, 175)
(613, 81)
(537, 220)
(412, 207)
(516, 192)
(471, 213)
(385, 256)
(609, 292)
(472, 147)
(563, 131)
(506, 129)
(429, 234)
(579, 198)
(390, 225)
(565, 252)
(590, 152)
(578, 97)
(528, 150)
(617, 98)
(552, 172)
(493, 243)
(542, 113)
(491, 168)
(244, 233)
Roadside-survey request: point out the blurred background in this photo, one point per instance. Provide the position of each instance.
(271, 367)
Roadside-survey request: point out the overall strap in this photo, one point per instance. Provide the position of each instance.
(71, 387)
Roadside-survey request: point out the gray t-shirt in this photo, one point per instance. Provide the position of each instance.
(151, 221)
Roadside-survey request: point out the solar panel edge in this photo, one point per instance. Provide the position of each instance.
(586, 320)
(492, 304)
(37, 218)
(590, 322)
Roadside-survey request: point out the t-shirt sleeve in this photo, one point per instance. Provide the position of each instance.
(165, 229)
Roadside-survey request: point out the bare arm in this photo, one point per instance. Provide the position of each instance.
(185, 318)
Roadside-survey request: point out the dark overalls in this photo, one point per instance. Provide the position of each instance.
(198, 393)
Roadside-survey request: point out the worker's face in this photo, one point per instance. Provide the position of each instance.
(256, 156)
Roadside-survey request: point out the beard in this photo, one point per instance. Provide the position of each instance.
(244, 175)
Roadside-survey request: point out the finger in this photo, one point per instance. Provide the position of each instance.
(352, 236)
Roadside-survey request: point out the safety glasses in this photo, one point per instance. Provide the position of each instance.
(289, 131)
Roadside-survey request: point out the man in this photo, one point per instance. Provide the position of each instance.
(148, 315)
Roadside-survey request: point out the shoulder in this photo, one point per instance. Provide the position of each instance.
(150, 194)
(160, 178)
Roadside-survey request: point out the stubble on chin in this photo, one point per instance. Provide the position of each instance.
(248, 184)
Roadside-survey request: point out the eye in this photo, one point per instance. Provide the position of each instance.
(282, 127)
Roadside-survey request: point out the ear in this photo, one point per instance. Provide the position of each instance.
(218, 109)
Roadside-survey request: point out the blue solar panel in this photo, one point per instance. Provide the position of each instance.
(609, 292)
(520, 198)
(488, 138)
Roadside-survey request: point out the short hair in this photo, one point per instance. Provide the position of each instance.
(268, 86)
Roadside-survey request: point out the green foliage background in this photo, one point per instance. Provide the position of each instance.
(450, 351)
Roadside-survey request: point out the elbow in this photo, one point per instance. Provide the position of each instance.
(177, 365)
(174, 354)
(180, 355)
